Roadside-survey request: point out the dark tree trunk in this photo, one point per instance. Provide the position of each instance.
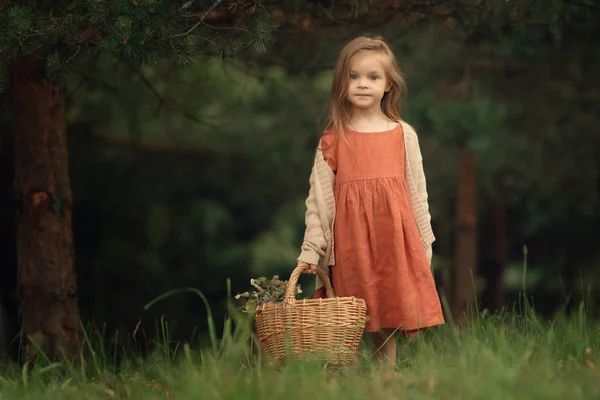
(8, 262)
(45, 255)
(466, 236)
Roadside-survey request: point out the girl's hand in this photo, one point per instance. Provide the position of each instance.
(308, 268)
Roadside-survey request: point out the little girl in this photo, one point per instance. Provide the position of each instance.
(368, 176)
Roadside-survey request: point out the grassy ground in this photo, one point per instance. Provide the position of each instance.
(507, 357)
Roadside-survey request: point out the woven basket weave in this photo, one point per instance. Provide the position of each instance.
(328, 329)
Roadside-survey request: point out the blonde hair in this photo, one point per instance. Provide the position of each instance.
(340, 109)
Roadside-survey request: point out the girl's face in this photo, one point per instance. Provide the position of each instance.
(367, 81)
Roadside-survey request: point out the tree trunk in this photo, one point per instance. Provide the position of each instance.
(496, 255)
(466, 236)
(8, 262)
(45, 254)
(7, 237)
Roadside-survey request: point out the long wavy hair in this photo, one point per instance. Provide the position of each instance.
(340, 108)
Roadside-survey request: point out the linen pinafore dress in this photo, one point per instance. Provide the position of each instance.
(378, 251)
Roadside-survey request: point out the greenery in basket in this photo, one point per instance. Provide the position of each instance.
(264, 290)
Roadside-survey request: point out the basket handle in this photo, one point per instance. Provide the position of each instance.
(290, 292)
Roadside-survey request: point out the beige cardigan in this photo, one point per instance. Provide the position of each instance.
(318, 244)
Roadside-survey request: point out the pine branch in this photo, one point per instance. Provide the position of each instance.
(141, 145)
(221, 49)
(109, 87)
(379, 16)
(186, 5)
(233, 28)
(168, 102)
(162, 100)
(200, 21)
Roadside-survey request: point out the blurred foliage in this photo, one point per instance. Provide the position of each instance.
(182, 201)
(187, 177)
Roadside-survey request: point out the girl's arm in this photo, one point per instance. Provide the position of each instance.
(421, 184)
(314, 244)
(423, 195)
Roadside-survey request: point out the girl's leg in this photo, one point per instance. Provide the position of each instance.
(384, 346)
(412, 336)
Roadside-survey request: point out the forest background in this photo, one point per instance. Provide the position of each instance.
(194, 170)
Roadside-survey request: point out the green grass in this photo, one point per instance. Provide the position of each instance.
(494, 357)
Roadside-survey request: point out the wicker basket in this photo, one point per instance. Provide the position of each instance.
(328, 329)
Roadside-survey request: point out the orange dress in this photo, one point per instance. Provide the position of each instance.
(378, 251)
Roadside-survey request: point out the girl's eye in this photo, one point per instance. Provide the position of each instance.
(373, 77)
(352, 76)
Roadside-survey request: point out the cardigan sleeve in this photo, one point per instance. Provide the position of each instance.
(420, 180)
(314, 244)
